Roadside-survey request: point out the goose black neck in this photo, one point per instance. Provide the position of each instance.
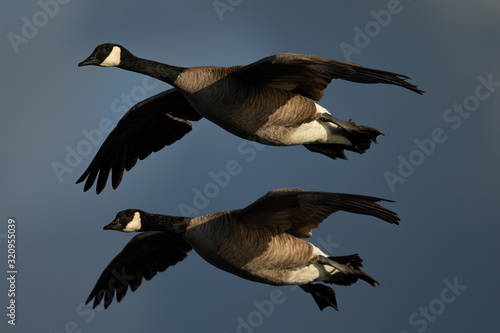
(162, 72)
(173, 224)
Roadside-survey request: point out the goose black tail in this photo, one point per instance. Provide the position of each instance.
(361, 137)
(350, 270)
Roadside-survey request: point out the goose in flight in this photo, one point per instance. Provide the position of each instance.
(270, 101)
(263, 242)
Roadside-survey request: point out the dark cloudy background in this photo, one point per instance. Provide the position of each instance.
(448, 202)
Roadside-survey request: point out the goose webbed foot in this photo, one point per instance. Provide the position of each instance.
(323, 295)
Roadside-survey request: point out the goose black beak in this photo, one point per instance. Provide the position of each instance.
(115, 225)
(91, 60)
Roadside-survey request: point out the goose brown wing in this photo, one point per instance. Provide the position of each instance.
(298, 212)
(147, 127)
(309, 75)
(144, 255)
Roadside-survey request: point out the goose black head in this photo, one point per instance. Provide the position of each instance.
(128, 220)
(105, 55)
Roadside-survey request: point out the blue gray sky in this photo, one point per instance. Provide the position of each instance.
(439, 161)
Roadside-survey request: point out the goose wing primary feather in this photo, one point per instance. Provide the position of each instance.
(145, 255)
(298, 212)
(147, 127)
(309, 75)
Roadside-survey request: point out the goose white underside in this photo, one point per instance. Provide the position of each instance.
(318, 132)
(314, 272)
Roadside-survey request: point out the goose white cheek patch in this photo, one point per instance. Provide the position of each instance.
(113, 59)
(135, 224)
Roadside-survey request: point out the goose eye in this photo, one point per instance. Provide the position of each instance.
(106, 48)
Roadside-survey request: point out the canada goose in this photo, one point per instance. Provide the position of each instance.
(269, 101)
(262, 242)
